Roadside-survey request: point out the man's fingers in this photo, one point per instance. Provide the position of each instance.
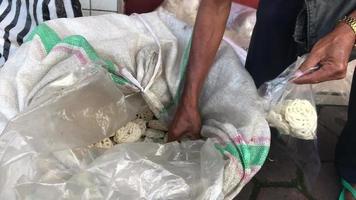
(193, 136)
(177, 135)
(325, 73)
(171, 137)
(315, 77)
(312, 60)
(186, 133)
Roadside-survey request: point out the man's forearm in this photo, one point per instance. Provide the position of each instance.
(208, 32)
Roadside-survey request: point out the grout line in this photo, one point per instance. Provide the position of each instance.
(117, 5)
(301, 187)
(90, 8)
(112, 11)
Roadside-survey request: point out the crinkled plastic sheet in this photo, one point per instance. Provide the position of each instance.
(44, 154)
(241, 21)
(303, 152)
(128, 171)
(238, 129)
(273, 91)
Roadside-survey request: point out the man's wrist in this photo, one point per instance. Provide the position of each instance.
(350, 22)
(345, 31)
(347, 28)
(352, 14)
(189, 99)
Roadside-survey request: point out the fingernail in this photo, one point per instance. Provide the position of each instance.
(298, 74)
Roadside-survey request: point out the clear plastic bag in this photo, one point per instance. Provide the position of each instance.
(242, 27)
(70, 110)
(290, 107)
(301, 147)
(127, 171)
(44, 150)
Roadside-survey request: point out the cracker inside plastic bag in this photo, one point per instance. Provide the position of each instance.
(290, 107)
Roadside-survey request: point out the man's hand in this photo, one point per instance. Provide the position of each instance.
(186, 123)
(208, 32)
(332, 54)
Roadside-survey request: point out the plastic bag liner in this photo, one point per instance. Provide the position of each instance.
(84, 102)
(300, 144)
(57, 100)
(128, 171)
(44, 156)
(291, 107)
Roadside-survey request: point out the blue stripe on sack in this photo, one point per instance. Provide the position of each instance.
(7, 43)
(35, 2)
(6, 11)
(60, 9)
(45, 10)
(37, 11)
(27, 28)
(77, 9)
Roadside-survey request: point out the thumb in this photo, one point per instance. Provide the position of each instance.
(193, 136)
(311, 61)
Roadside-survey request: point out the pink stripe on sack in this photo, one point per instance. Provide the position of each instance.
(255, 140)
(238, 139)
(260, 140)
(83, 59)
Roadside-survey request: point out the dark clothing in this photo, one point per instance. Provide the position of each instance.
(288, 28)
(346, 146)
(272, 46)
(317, 18)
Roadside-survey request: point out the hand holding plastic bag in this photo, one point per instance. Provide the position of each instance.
(291, 107)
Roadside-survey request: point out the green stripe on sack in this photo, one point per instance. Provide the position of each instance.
(50, 38)
(81, 42)
(248, 154)
(182, 71)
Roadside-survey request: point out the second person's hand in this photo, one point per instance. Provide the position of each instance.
(332, 54)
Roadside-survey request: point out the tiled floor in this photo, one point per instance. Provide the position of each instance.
(100, 7)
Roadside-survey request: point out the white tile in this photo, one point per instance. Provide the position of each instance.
(85, 4)
(120, 6)
(95, 13)
(104, 5)
(86, 13)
